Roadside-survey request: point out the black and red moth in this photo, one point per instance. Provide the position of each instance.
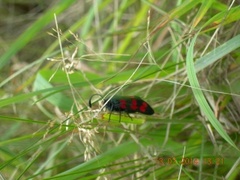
(127, 104)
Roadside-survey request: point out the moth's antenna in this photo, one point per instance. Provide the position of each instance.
(90, 100)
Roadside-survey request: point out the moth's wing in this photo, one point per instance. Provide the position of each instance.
(143, 106)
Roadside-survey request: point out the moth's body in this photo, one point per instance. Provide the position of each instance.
(127, 104)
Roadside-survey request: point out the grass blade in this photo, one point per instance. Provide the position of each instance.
(198, 94)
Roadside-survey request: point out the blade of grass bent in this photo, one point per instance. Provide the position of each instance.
(198, 94)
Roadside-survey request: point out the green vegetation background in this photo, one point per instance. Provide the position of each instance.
(182, 57)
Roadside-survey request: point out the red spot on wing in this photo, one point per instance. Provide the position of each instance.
(143, 107)
(134, 105)
(123, 104)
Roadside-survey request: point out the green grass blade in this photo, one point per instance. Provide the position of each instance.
(102, 160)
(29, 34)
(222, 18)
(219, 52)
(198, 94)
(206, 5)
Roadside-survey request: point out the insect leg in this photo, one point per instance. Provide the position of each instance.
(120, 116)
(109, 116)
(111, 110)
(129, 116)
